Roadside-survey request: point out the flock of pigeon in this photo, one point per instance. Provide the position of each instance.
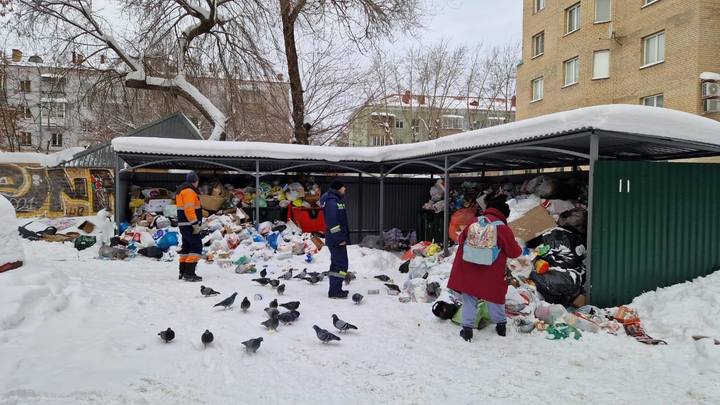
(275, 317)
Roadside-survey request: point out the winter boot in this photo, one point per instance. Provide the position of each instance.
(501, 328)
(190, 272)
(466, 333)
(183, 267)
(336, 290)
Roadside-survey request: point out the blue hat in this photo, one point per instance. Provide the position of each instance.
(192, 177)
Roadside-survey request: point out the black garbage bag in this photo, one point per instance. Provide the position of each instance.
(151, 251)
(444, 310)
(567, 250)
(575, 219)
(557, 286)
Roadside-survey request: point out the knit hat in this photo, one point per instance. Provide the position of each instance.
(500, 205)
(337, 185)
(192, 177)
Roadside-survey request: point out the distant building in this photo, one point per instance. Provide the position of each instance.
(577, 53)
(46, 106)
(408, 118)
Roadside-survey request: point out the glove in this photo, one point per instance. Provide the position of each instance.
(196, 229)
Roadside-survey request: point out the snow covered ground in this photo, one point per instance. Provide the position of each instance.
(75, 330)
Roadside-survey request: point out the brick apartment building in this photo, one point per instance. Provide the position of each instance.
(578, 53)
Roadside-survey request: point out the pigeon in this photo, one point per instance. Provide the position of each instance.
(350, 276)
(227, 302)
(291, 306)
(271, 324)
(288, 317)
(287, 275)
(252, 345)
(207, 291)
(207, 337)
(302, 274)
(273, 303)
(281, 289)
(263, 273)
(341, 325)
(392, 287)
(405, 267)
(262, 281)
(312, 279)
(357, 298)
(324, 335)
(383, 278)
(274, 283)
(245, 304)
(272, 312)
(167, 335)
(314, 273)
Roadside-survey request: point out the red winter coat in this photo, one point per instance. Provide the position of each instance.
(485, 282)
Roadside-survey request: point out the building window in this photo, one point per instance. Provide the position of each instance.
(572, 71)
(2, 81)
(654, 49)
(399, 124)
(601, 64)
(538, 5)
(415, 123)
(603, 10)
(56, 140)
(649, 2)
(656, 100)
(56, 110)
(26, 112)
(25, 86)
(451, 122)
(572, 19)
(538, 44)
(537, 89)
(24, 139)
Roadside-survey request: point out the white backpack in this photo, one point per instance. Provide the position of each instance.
(480, 245)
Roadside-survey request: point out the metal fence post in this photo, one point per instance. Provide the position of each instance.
(257, 194)
(594, 153)
(446, 210)
(381, 209)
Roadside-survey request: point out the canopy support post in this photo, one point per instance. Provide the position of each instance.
(594, 153)
(446, 209)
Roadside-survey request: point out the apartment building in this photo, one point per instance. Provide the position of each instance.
(663, 53)
(50, 106)
(409, 118)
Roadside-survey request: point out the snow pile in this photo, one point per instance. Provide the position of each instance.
(46, 160)
(11, 249)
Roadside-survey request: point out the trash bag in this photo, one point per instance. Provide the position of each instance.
(557, 286)
(482, 317)
(542, 186)
(151, 251)
(574, 219)
(168, 240)
(459, 220)
(272, 240)
(83, 242)
(567, 250)
(372, 242)
(445, 310)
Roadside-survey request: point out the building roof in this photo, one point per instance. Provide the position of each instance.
(417, 101)
(625, 131)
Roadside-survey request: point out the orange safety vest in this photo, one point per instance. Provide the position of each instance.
(188, 206)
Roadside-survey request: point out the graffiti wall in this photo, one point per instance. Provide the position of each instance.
(56, 192)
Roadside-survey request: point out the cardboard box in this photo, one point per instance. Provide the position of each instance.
(158, 205)
(534, 223)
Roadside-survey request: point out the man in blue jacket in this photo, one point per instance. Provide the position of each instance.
(337, 237)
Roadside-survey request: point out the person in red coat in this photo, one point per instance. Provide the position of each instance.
(479, 282)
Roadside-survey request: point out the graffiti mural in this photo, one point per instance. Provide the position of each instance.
(56, 192)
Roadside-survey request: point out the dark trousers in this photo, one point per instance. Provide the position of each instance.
(191, 249)
(338, 263)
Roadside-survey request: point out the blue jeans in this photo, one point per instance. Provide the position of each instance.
(469, 311)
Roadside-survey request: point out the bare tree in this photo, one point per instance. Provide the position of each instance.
(183, 35)
(360, 23)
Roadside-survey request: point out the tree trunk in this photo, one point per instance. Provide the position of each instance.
(296, 90)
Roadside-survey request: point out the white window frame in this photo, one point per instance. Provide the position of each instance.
(594, 72)
(399, 124)
(645, 45)
(27, 112)
(538, 5)
(21, 138)
(575, 69)
(537, 95)
(54, 112)
(22, 89)
(648, 3)
(54, 137)
(539, 37)
(576, 9)
(654, 99)
(600, 21)
(451, 122)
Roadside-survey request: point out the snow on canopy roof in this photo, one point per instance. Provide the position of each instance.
(47, 160)
(621, 118)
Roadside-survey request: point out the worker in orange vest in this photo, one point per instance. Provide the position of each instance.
(189, 214)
